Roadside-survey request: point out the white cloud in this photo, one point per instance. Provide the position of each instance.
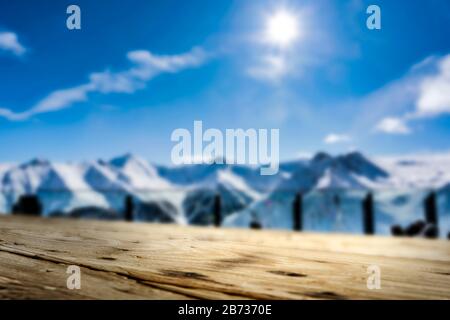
(270, 67)
(150, 63)
(145, 66)
(110, 82)
(9, 42)
(56, 100)
(334, 138)
(423, 92)
(393, 126)
(434, 96)
(11, 115)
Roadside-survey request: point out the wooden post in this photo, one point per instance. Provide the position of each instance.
(431, 215)
(129, 208)
(297, 212)
(217, 210)
(368, 216)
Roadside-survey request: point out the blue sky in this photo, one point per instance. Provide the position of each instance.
(137, 71)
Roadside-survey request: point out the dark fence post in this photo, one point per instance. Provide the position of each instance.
(129, 208)
(431, 216)
(431, 209)
(255, 223)
(217, 210)
(297, 212)
(29, 205)
(368, 217)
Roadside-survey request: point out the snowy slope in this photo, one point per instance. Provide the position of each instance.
(416, 172)
(136, 173)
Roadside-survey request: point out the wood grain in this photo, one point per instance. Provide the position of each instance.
(122, 260)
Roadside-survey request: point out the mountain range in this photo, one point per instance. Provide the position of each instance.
(184, 194)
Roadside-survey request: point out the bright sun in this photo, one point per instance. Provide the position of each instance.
(282, 28)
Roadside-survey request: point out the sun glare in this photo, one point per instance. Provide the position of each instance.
(282, 28)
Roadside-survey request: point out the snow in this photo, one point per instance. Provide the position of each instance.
(226, 177)
(5, 167)
(72, 176)
(423, 171)
(137, 173)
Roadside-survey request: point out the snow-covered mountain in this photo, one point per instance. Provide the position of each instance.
(202, 182)
(47, 179)
(350, 171)
(136, 173)
(333, 187)
(202, 174)
(64, 187)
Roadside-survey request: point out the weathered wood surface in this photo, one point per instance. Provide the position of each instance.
(122, 260)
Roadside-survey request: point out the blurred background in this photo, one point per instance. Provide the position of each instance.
(86, 115)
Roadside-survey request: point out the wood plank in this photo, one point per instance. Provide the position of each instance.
(25, 278)
(176, 262)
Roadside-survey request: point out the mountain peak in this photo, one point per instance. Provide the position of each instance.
(122, 161)
(321, 156)
(359, 164)
(355, 154)
(36, 162)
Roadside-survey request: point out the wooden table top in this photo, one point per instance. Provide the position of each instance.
(120, 260)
